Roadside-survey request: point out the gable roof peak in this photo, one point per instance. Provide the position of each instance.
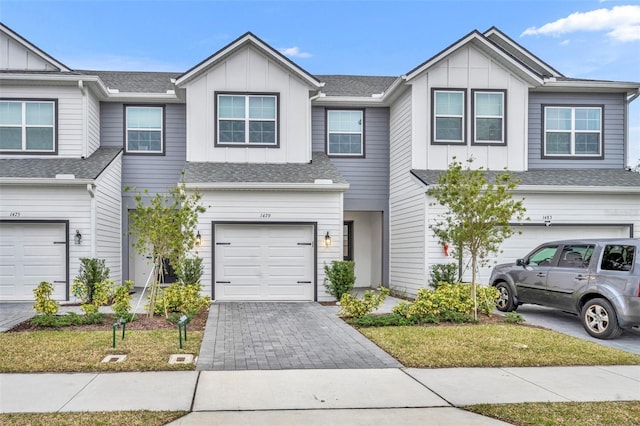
(44, 56)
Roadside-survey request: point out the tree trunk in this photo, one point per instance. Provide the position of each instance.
(153, 291)
(473, 287)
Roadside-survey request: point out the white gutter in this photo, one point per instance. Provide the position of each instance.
(91, 189)
(627, 124)
(85, 119)
(578, 189)
(45, 181)
(350, 100)
(267, 186)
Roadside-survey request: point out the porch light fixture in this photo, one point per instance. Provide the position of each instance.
(198, 239)
(327, 240)
(78, 237)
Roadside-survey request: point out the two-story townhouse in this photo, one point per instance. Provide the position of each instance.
(297, 170)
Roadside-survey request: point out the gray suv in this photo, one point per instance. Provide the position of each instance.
(598, 279)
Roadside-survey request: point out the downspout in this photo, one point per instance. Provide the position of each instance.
(85, 119)
(627, 142)
(310, 121)
(91, 189)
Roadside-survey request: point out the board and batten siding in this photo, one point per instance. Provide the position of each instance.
(15, 56)
(323, 208)
(249, 71)
(614, 130)
(468, 69)
(157, 173)
(70, 137)
(368, 177)
(63, 202)
(108, 214)
(406, 205)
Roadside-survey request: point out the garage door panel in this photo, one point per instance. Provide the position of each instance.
(264, 262)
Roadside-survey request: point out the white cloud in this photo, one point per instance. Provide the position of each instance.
(621, 23)
(294, 52)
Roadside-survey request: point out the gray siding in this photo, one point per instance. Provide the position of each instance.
(368, 177)
(156, 173)
(614, 129)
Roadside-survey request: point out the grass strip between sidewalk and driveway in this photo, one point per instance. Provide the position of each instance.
(104, 418)
(491, 345)
(619, 413)
(83, 351)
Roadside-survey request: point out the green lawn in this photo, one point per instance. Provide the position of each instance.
(103, 418)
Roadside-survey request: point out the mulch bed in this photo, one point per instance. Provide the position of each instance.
(141, 322)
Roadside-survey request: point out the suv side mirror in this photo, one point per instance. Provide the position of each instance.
(520, 262)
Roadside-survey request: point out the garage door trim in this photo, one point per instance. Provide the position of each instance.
(556, 224)
(66, 242)
(314, 225)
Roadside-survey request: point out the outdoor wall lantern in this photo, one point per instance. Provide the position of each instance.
(327, 240)
(78, 237)
(198, 239)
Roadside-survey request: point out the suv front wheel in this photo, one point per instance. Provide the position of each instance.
(600, 319)
(505, 301)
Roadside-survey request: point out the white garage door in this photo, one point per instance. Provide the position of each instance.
(518, 246)
(264, 262)
(31, 253)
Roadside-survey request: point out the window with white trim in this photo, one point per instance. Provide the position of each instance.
(448, 106)
(345, 133)
(144, 133)
(489, 117)
(247, 119)
(574, 131)
(28, 126)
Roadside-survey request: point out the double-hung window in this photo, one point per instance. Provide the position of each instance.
(246, 120)
(488, 117)
(144, 131)
(572, 131)
(345, 133)
(448, 106)
(28, 126)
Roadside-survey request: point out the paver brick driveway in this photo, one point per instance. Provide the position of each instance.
(275, 336)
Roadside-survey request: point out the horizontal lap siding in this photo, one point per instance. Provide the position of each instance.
(109, 218)
(614, 111)
(325, 208)
(368, 177)
(406, 206)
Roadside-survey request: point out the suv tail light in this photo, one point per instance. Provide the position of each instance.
(638, 288)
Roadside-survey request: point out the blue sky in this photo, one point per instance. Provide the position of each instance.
(580, 38)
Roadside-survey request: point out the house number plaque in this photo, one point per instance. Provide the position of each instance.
(265, 215)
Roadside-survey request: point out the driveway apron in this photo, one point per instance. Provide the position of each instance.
(278, 336)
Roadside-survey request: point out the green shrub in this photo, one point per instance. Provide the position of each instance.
(92, 271)
(122, 300)
(102, 292)
(513, 317)
(352, 307)
(44, 304)
(67, 320)
(443, 273)
(339, 277)
(185, 299)
(190, 271)
(386, 320)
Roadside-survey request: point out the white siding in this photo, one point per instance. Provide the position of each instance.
(71, 203)
(108, 215)
(70, 113)
(406, 206)
(325, 208)
(14, 56)
(468, 69)
(249, 70)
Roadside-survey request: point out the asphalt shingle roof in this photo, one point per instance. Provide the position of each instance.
(319, 168)
(48, 168)
(556, 177)
(136, 81)
(354, 85)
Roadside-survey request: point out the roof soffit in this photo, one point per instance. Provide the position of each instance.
(247, 40)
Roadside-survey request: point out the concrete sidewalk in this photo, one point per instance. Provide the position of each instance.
(360, 396)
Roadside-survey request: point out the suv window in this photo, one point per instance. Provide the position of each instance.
(543, 256)
(617, 257)
(576, 256)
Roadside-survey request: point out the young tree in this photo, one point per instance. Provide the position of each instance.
(165, 224)
(478, 213)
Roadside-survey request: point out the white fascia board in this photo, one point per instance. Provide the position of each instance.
(266, 186)
(578, 189)
(144, 97)
(525, 73)
(92, 80)
(578, 85)
(33, 48)
(45, 181)
(347, 101)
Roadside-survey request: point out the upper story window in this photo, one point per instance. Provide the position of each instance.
(572, 131)
(144, 131)
(28, 126)
(489, 116)
(345, 133)
(448, 106)
(247, 120)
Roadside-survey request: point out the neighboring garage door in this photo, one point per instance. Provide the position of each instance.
(531, 236)
(29, 254)
(264, 262)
